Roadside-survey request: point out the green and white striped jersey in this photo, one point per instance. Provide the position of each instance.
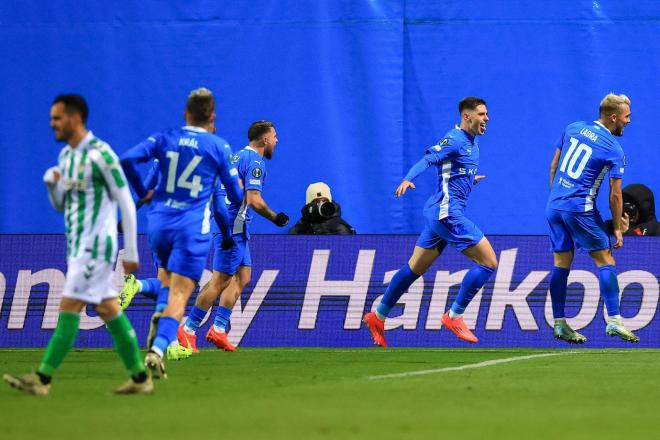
(91, 185)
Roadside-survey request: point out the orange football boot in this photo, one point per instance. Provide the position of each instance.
(458, 327)
(376, 327)
(219, 340)
(186, 339)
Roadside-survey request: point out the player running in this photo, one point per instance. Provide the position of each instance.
(456, 158)
(87, 185)
(191, 159)
(232, 268)
(585, 153)
(151, 287)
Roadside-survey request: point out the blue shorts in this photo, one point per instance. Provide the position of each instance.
(228, 261)
(456, 230)
(584, 230)
(179, 251)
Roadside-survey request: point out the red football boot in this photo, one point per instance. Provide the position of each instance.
(186, 339)
(219, 340)
(376, 327)
(459, 328)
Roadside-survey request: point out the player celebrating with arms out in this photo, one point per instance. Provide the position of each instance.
(232, 268)
(584, 154)
(191, 159)
(456, 157)
(87, 185)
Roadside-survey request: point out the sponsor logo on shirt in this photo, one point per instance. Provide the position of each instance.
(565, 183)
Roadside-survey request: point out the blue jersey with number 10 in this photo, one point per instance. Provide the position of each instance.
(190, 160)
(588, 153)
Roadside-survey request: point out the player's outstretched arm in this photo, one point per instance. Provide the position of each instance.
(55, 193)
(616, 207)
(553, 165)
(258, 203)
(140, 153)
(435, 155)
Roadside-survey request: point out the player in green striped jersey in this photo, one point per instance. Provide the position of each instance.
(87, 185)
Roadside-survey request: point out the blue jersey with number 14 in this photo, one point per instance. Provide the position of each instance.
(190, 160)
(588, 153)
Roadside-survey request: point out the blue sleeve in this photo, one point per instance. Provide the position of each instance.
(220, 213)
(229, 175)
(559, 142)
(140, 153)
(445, 149)
(254, 175)
(617, 165)
(151, 180)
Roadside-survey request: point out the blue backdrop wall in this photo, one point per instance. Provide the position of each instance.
(357, 89)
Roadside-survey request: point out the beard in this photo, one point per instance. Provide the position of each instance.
(64, 134)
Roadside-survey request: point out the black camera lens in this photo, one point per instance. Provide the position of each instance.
(630, 209)
(327, 209)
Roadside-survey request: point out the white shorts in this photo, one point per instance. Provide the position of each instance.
(89, 280)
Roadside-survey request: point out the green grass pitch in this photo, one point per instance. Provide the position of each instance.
(311, 393)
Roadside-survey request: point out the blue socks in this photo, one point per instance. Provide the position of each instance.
(472, 282)
(222, 317)
(150, 288)
(166, 333)
(609, 289)
(161, 302)
(195, 318)
(399, 284)
(558, 285)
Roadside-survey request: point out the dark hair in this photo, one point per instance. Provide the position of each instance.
(258, 129)
(74, 104)
(200, 106)
(469, 103)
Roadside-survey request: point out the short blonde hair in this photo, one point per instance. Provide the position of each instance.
(200, 105)
(611, 103)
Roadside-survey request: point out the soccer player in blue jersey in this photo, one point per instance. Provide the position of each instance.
(151, 287)
(585, 154)
(232, 268)
(191, 159)
(456, 158)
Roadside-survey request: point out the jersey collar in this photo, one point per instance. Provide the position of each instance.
(467, 135)
(196, 129)
(84, 142)
(247, 147)
(601, 124)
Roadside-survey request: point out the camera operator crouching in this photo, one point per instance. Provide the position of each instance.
(320, 215)
(638, 211)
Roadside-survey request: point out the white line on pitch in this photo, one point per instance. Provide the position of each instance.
(469, 366)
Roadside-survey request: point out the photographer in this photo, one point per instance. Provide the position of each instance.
(321, 215)
(639, 206)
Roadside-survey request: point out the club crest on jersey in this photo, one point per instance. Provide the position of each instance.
(233, 159)
(440, 144)
(257, 172)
